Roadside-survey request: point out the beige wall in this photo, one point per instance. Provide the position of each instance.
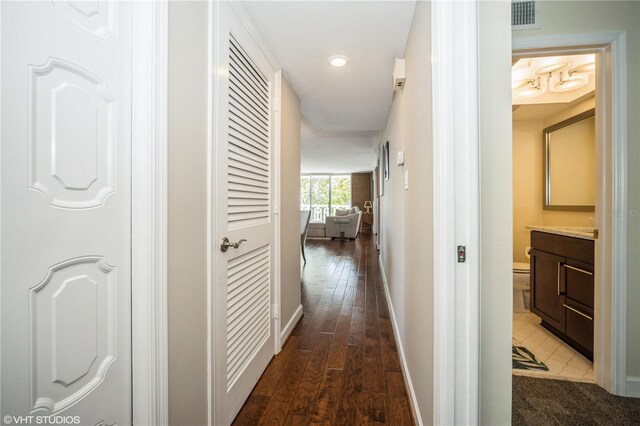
(564, 17)
(187, 153)
(406, 227)
(527, 183)
(290, 203)
(496, 212)
(528, 179)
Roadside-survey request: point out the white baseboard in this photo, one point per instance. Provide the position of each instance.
(633, 387)
(403, 361)
(290, 325)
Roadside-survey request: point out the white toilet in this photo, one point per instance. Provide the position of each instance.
(521, 286)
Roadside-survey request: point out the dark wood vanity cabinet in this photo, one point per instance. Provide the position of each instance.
(562, 287)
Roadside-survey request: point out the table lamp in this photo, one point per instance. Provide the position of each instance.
(367, 205)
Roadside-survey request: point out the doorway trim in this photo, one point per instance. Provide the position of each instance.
(456, 195)
(149, 213)
(276, 123)
(610, 345)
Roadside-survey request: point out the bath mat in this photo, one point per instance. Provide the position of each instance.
(523, 359)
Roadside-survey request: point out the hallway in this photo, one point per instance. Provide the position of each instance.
(340, 365)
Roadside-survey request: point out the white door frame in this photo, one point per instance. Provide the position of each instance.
(456, 190)
(277, 167)
(149, 213)
(610, 343)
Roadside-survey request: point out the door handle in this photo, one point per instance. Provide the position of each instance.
(560, 266)
(578, 312)
(225, 244)
(578, 269)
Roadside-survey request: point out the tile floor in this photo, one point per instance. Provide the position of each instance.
(563, 362)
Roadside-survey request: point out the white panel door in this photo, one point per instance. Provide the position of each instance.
(66, 210)
(243, 203)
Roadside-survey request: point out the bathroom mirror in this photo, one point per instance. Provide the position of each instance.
(570, 164)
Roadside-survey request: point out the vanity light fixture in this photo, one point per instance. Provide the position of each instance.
(548, 65)
(338, 61)
(564, 82)
(533, 77)
(584, 68)
(520, 78)
(535, 87)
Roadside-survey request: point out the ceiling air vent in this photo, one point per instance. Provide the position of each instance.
(524, 15)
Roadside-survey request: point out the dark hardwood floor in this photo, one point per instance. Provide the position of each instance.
(340, 366)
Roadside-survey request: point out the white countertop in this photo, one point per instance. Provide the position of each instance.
(570, 231)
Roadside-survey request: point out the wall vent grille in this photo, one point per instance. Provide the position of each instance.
(524, 15)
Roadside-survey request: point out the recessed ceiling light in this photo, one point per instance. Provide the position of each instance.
(338, 61)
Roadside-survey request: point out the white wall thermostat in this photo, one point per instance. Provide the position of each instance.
(400, 158)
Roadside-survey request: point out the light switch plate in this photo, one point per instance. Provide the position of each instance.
(406, 179)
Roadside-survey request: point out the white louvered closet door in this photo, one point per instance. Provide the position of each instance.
(243, 204)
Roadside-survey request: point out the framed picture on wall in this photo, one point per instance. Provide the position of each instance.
(376, 179)
(386, 161)
(381, 169)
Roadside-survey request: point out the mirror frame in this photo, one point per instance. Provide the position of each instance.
(547, 182)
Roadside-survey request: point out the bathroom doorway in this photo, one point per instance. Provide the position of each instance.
(558, 333)
(554, 199)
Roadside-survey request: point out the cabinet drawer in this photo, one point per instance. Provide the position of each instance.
(575, 248)
(579, 282)
(579, 325)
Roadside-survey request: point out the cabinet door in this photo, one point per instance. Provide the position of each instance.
(547, 288)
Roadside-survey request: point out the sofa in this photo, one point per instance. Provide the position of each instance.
(345, 221)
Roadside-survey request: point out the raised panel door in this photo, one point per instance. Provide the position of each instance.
(66, 210)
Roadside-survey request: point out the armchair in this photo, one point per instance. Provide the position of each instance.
(348, 224)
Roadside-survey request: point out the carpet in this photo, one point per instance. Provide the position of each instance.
(554, 402)
(523, 359)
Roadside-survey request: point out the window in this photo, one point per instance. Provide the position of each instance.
(323, 194)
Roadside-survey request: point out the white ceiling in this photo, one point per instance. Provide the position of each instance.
(341, 106)
(337, 152)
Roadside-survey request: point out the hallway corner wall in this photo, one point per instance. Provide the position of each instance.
(291, 118)
(187, 213)
(496, 211)
(406, 227)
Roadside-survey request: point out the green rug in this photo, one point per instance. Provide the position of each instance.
(523, 359)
